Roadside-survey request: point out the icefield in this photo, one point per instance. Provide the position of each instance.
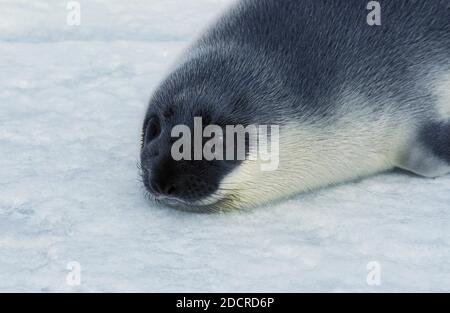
(72, 100)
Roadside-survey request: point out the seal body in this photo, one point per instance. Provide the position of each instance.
(351, 99)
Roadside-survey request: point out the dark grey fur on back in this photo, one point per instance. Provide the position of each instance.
(316, 47)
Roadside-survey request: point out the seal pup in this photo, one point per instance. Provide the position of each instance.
(351, 99)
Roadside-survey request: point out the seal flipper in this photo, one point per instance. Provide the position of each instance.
(430, 155)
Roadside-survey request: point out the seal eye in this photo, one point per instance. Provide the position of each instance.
(152, 130)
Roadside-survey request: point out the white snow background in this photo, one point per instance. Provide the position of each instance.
(72, 101)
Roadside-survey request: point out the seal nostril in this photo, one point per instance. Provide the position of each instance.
(152, 129)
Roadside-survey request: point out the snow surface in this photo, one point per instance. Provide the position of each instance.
(71, 104)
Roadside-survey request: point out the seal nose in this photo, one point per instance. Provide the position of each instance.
(163, 187)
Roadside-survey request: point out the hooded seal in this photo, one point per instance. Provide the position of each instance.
(350, 99)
